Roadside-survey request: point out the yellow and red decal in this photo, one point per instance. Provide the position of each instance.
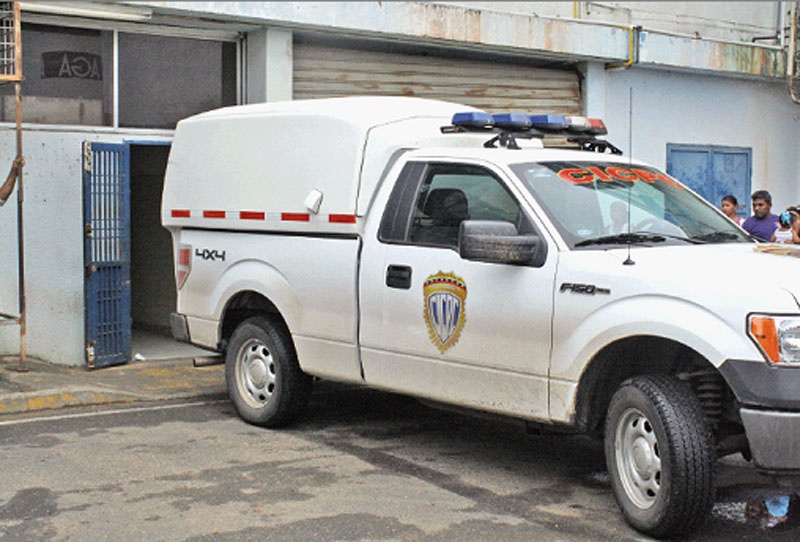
(613, 173)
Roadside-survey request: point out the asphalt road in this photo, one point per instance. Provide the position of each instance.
(363, 465)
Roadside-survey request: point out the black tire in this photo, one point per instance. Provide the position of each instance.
(660, 456)
(263, 377)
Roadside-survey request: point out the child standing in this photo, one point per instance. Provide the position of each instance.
(784, 232)
(729, 206)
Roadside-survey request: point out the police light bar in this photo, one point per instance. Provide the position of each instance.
(473, 119)
(512, 121)
(597, 127)
(578, 124)
(509, 127)
(549, 123)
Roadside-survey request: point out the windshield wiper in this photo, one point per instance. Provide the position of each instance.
(691, 240)
(623, 239)
(716, 236)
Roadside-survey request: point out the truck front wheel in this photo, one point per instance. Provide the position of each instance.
(660, 456)
(263, 377)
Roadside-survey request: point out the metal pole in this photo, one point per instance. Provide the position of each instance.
(23, 362)
(20, 237)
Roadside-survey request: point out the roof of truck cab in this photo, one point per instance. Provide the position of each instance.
(517, 156)
(364, 111)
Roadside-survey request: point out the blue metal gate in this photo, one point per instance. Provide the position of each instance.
(713, 171)
(107, 254)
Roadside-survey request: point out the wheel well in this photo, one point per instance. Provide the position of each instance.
(634, 356)
(241, 307)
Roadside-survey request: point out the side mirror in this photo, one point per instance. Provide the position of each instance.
(499, 242)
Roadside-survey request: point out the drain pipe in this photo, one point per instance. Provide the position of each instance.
(633, 48)
(782, 23)
(790, 61)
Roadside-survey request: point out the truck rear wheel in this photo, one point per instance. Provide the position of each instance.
(660, 456)
(263, 377)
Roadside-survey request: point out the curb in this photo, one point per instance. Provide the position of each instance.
(17, 403)
(49, 387)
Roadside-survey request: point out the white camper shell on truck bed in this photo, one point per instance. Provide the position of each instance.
(429, 248)
(306, 166)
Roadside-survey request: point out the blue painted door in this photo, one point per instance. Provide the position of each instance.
(107, 254)
(713, 172)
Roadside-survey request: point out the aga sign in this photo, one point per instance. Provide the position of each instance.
(72, 65)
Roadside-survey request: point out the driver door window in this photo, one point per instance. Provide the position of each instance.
(451, 194)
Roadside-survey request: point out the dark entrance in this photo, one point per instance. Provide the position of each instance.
(153, 295)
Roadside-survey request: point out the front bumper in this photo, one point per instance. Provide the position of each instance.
(774, 438)
(769, 396)
(761, 384)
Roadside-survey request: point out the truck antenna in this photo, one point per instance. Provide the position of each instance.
(629, 261)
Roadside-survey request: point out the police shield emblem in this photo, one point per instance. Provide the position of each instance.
(445, 301)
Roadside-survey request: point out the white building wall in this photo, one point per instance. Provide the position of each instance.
(53, 246)
(735, 21)
(53, 228)
(9, 334)
(671, 107)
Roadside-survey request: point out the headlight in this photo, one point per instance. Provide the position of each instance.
(778, 337)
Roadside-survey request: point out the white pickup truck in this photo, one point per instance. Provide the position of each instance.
(435, 250)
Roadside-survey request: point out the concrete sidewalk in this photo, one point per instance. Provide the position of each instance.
(45, 386)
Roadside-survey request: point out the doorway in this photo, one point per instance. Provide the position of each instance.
(153, 295)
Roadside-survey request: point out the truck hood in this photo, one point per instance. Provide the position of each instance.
(763, 277)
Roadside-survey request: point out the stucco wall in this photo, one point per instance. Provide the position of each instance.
(9, 334)
(736, 21)
(53, 243)
(670, 107)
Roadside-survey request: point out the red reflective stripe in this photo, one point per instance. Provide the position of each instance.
(184, 263)
(342, 219)
(181, 213)
(252, 215)
(213, 214)
(185, 257)
(296, 217)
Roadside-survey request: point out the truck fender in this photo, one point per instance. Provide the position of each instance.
(679, 320)
(271, 284)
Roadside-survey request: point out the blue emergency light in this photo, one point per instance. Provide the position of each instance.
(512, 121)
(473, 119)
(549, 123)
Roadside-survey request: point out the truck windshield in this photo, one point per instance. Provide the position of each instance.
(597, 204)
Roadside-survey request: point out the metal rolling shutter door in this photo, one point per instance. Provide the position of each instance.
(327, 71)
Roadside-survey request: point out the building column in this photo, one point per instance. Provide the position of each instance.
(594, 89)
(269, 66)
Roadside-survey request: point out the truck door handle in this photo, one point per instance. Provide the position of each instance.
(398, 276)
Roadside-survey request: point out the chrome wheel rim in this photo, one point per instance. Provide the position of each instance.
(638, 458)
(255, 373)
